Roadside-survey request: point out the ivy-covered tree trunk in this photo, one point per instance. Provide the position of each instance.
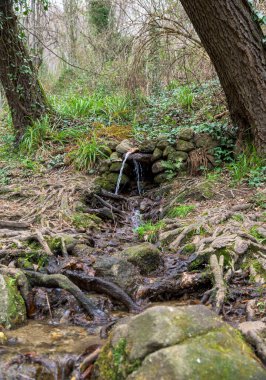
(234, 41)
(25, 96)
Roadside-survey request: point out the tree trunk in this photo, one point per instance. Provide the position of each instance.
(25, 96)
(234, 42)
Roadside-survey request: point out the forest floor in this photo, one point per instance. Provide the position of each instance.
(220, 228)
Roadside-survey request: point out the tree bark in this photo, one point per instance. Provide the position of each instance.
(25, 96)
(234, 42)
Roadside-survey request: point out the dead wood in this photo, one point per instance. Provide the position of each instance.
(117, 197)
(108, 205)
(61, 281)
(43, 243)
(12, 224)
(171, 288)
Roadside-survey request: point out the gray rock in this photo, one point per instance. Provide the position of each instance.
(145, 256)
(147, 146)
(162, 143)
(186, 134)
(119, 271)
(160, 178)
(157, 154)
(158, 167)
(116, 167)
(184, 146)
(115, 157)
(204, 140)
(168, 150)
(104, 167)
(185, 343)
(12, 306)
(109, 181)
(177, 156)
(124, 146)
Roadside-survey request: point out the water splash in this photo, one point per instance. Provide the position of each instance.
(138, 173)
(136, 218)
(121, 173)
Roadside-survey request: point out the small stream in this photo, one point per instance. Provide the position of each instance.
(52, 349)
(41, 351)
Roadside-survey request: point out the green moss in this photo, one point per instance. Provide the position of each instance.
(29, 259)
(189, 248)
(113, 363)
(16, 310)
(203, 259)
(80, 220)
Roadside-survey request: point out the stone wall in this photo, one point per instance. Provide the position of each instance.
(161, 159)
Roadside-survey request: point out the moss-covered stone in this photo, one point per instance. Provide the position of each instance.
(186, 343)
(161, 178)
(184, 146)
(177, 156)
(185, 134)
(206, 141)
(116, 167)
(109, 181)
(118, 270)
(157, 154)
(145, 256)
(12, 306)
(158, 167)
(113, 363)
(219, 354)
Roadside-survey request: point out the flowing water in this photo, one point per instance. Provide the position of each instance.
(39, 351)
(138, 173)
(121, 173)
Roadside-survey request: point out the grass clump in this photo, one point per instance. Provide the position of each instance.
(149, 231)
(87, 153)
(181, 211)
(36, 135)
(249, 166)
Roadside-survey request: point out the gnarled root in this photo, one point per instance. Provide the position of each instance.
(61, 281)
(100, 285)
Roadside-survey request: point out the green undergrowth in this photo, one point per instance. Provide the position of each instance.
(181, 211)
(149, 231)
(249, 167)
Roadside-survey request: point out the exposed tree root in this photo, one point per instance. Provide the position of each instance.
(217, 270)
(163, 288)
(61, 281)
(100, 285)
